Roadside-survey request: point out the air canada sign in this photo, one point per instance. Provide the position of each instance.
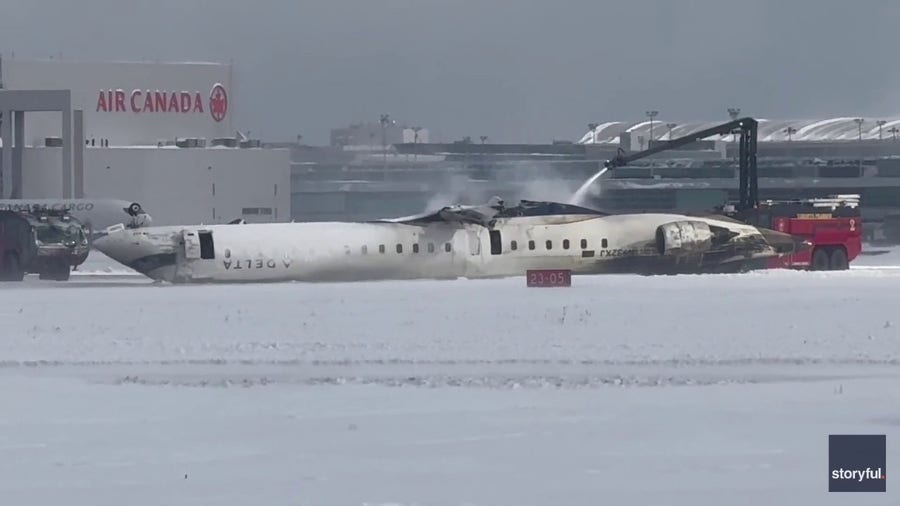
(169, 102)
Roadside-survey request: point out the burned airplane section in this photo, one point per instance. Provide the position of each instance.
(486, 215)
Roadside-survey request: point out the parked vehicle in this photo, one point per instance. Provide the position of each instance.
(41, 241)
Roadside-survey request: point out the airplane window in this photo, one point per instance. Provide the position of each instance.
(431, 247)
(565, 244)
(416, 248)
(447, 247)
(513, 246)
(381, 248)
(530, 244)
(364, 249)
(549, 244)
(399, 248)
(584, 244)
(603, 243)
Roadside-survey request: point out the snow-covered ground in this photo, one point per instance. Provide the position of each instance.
(98, 264)
(619, 390)
(878, 256)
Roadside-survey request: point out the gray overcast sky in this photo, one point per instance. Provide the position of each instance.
(523, 70)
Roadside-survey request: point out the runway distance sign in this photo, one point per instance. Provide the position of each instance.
(548, 277)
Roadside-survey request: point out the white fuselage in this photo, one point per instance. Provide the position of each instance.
(381, 250)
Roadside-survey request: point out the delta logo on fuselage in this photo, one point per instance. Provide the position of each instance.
(156, 101)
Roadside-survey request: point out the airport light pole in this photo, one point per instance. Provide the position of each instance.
(880, 124)
(384, 120)
(859, 122)
(671, 126)
(790, 131)
(593, 128)
(467, 141)
(483, 138)
(651, 115)
(894, 131)
(416, 143)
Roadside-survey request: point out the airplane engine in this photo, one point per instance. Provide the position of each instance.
(683, 237)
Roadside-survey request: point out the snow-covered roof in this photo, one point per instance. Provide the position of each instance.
(831, 129)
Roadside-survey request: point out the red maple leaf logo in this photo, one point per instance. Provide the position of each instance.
(218, 102)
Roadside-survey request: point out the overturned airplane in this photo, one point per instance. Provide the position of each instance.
(492, 240)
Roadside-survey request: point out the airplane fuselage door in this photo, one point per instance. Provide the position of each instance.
(191, 244)
(496, 243)
(474, 242)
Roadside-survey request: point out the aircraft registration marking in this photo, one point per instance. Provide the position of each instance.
(625, 252)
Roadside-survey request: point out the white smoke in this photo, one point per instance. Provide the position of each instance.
(457, 190)
(550, 188)
(552, 185)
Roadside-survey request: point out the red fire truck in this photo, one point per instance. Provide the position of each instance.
(831, 225)
(17, 246)
(42, 241)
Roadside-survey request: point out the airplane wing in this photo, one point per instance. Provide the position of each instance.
(486, 214)
(479, 215)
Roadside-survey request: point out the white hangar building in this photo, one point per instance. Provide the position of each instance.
(161, 134)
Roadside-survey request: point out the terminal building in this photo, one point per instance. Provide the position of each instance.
(161, 134)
